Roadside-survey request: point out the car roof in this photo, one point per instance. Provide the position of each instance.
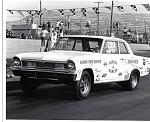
(98, 37)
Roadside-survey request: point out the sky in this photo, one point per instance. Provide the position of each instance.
(62, 4)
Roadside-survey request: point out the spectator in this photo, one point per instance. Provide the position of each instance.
(57, 24)
(43, 35)
(49, 38)
(61, 32)
(125, 30)
(48, 26)
(53, 38)
(61, 29)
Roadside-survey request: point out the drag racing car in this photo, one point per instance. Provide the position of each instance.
(82, 61)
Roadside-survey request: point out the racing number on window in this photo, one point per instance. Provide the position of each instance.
(110, 47)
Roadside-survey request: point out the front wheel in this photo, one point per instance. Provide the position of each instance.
(83, 86)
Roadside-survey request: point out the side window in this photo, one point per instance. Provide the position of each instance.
(94, 46)
(110, 47)
(78, 45)
(123, 48)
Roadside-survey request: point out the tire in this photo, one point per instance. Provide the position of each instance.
(83, 86)
(28, 85)
(132, 84)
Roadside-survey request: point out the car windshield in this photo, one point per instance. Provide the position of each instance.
(78, 44)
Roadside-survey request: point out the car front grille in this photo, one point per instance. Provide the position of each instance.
(42, 65)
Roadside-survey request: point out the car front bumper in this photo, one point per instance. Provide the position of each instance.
(56, 77)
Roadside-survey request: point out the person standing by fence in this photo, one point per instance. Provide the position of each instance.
(43, 35)
(53, 34)
(54, 38)
(49, 37)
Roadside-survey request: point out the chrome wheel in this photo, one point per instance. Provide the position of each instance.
(84, 85)
(134, 81)
(132, 84)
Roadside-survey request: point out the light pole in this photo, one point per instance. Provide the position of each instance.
(69, 24)
(145, 26)
(40, 12)
(20, 27)
(111, 19)
(145, 33)
(97, 33)
(137, 38)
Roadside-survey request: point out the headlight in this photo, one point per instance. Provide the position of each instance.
(71, 65)
(17, 62)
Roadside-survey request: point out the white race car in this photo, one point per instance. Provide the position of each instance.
(81, 61)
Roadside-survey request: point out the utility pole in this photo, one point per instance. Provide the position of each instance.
(97, 33)
(80, 27)
(40, 12)
(69, 24)
(111, 17)
(145, 33)
(145, 26)
(20, 27)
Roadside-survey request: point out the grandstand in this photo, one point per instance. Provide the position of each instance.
(136, 22)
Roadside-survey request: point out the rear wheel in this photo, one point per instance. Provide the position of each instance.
(83, 86)
(132, 84)
(28, 85)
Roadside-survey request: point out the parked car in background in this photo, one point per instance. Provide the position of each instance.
(8, 34)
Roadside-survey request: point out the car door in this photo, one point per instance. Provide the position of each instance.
(110, 61)
(126, 58)
(130, 61)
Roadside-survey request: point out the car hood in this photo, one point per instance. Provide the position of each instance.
(53, 55)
